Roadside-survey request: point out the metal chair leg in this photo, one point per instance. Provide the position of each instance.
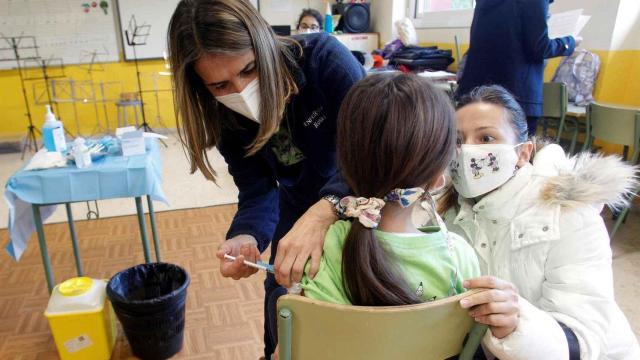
(285, 321)
(473, 341)
(621, 216)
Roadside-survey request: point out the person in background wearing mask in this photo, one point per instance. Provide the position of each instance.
(534, 220)
(271, 111)
(509, 43)
(310, 21)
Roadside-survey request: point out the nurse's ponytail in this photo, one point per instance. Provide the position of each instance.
(395, 131)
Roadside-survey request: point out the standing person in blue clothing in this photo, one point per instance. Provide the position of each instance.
(508, 47)
(269, 105)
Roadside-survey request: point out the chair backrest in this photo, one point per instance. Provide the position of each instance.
(310, 329)
(555, 100)
(614, 125)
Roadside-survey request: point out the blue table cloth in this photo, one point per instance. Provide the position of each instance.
(108, 178)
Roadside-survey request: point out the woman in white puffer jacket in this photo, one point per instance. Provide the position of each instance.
(539, 236)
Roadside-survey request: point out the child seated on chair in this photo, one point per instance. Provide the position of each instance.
(396, 136)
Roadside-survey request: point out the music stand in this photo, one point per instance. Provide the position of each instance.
(44, 66)
(94, 65)
(12, 47)
(136, 35)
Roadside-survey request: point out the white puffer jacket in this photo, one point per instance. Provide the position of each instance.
(543, 232)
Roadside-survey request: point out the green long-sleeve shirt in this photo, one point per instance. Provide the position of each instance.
(426, 261)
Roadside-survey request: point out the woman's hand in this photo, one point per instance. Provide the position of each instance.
(496, 307)
(243, 247)
(304, 240)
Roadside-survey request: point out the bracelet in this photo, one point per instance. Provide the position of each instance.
(335, 201)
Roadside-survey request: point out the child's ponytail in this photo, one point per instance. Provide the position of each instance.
(395, 131)
(369, 276)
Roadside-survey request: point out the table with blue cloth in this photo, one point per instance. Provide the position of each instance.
(32, 197)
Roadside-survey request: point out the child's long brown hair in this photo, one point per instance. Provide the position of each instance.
(395, 131)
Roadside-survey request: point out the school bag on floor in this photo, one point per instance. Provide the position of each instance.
(579, 72)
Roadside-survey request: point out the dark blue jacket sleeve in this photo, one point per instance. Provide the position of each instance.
(340, 71)
(258, 194)
(537, 45)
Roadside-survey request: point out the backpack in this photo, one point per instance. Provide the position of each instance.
(579, 72)
(418, 58)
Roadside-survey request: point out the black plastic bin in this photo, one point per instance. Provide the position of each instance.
(149, 300)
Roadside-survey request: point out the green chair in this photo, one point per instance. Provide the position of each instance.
(313, 330)
(554, 112)
(614, 125)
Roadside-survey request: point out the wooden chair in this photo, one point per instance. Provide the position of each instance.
(310, 329)
(614, 125)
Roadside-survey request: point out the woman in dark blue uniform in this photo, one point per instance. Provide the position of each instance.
(269, 105)
(509, 44)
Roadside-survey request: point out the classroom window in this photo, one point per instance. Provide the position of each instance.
(427, 6)
(437, 14)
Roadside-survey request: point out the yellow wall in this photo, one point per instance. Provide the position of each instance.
(14, 121)
(618, 81)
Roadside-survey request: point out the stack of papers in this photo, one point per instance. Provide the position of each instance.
(568, 23)
(438, 75)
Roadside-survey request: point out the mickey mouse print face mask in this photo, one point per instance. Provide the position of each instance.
(479, 169)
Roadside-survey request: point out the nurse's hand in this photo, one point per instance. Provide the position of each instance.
(496, 307)
(243, 247)
(304, 240)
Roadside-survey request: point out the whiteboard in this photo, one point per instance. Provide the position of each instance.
(62, 29)
(155, 13)
(286, 12)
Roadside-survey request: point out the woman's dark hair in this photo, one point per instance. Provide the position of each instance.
(394, 131)
(310, 12)
(497, 95)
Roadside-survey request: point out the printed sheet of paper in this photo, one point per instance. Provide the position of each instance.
(568, 23)
(582, 22)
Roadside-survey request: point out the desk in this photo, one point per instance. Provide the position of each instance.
(32, 196)
(364, 42)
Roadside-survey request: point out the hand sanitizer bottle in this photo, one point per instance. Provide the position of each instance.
(81, 153)
(328, 19)
(53, 133)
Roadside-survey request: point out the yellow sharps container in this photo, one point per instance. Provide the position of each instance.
(81, 319)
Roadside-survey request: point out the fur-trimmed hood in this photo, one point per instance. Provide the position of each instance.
(586, 178)
(543, 232)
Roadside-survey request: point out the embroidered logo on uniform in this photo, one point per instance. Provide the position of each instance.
(316, 118)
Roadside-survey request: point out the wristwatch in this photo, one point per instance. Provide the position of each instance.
(335, 201)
